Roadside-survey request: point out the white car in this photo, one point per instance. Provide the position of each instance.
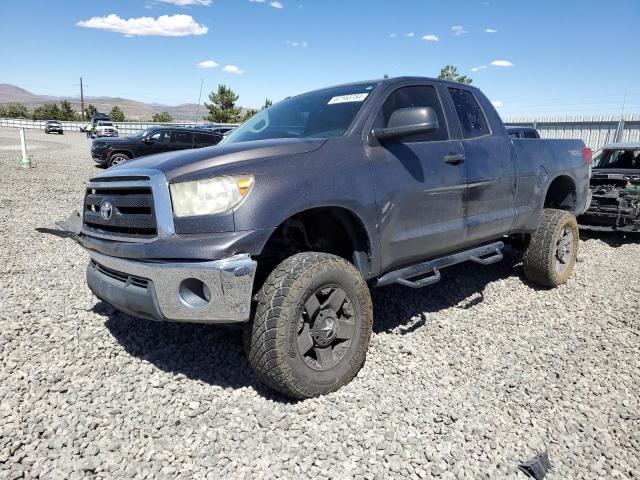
(106, 129)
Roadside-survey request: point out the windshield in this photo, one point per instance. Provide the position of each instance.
(322, 114)
(628, 159)
(105, 124)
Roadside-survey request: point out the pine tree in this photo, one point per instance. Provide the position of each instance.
(222, 108)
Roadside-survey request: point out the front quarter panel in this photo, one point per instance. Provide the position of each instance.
(337, 174)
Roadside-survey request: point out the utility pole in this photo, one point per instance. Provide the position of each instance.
(81, 100)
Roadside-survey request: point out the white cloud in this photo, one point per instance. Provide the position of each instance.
(458, 30)
(497, 103)
(297, 44)
(431, 38)
(182, 3)
(392, 35)
(490, 30)
(257, 1)
(410, 34)
(502, 63)
(207, 64)
(233, 69)
(164, 26)
(477, 69)
(276, 4)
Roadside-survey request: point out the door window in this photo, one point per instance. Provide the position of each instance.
(408, 97)
(206, 139)
(472, 120)
(162, 137)
(182, 138)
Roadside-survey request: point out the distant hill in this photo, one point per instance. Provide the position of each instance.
(132, 109)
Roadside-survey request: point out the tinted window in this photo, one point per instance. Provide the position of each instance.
(629, 159)
(161, 136)
(204, 139)
(407, 97)
(514, 134)
(472, 121)
(182, 138)
(322, 114)
(530, 134)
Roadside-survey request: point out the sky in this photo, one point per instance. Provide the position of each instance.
(537, 58)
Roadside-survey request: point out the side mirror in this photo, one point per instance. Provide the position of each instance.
(408, 121)
(147, 140)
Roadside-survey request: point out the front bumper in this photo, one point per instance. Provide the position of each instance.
(201, 292)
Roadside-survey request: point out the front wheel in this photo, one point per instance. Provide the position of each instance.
(550, 257)
(312, 325)
(117, 159)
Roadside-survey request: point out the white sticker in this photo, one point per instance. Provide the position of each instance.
(354, 97)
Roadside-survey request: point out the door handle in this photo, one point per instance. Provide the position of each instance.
(454, 158)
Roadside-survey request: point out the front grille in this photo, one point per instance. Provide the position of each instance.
(132, 213)
(120, 276)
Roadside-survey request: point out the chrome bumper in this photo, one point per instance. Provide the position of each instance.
(203, 292)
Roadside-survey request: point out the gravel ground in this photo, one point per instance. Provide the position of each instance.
(465, 379)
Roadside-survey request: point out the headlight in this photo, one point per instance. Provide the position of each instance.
(210, 196)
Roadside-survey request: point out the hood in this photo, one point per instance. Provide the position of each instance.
(118, 140)
(175, 164)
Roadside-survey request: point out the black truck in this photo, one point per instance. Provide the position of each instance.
(288, 222)
(114, 151)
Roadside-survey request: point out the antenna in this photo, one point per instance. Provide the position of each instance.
(199, 100)
(81, 100)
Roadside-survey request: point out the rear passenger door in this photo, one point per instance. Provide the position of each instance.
(491, 170)
(420, 183)
(206, 139)
(181, 140)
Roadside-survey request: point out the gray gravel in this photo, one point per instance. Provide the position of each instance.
(463, 380)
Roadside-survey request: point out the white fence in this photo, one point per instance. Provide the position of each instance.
(123, 127)
(595, 131)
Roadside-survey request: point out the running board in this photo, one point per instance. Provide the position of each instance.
(485, 255)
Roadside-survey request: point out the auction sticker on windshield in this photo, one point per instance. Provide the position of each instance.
(354, 97)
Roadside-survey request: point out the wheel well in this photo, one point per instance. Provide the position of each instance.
(123, 152)
(334, 230)
(561, 194)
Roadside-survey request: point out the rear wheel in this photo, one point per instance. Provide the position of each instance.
(117, 159)
(551, 254)
(312, 325)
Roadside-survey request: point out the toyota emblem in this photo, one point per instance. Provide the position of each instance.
(106, 210)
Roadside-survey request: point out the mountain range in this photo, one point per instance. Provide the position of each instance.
(133, 109)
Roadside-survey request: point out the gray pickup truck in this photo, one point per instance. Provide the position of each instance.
(287, 223)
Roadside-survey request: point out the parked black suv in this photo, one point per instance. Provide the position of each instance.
(114, 151)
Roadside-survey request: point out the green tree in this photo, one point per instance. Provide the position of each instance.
(66, 112)
(15, 110)
(450, 72)
(386, 75)
(248, 114)
(89, 111)
(116, 114)
(222, 108)
(267, 104)
(163, 117)
(48, 111)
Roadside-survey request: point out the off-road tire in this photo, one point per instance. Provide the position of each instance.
(271, 340)
(540, 257)
(117, 159)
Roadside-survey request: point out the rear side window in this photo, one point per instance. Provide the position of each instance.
(472, 121)
(182, 138)
(530, 134)
(204, 139)
(418, 96)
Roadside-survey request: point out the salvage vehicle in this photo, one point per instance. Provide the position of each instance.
(114, 151)
(615, 184)
(522, 132)
(53, 126)
(288, 222)
(105, 128)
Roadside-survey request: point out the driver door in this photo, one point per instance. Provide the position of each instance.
(420, 184)
(157, 142)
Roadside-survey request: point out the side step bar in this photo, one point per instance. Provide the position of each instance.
(484, 255)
